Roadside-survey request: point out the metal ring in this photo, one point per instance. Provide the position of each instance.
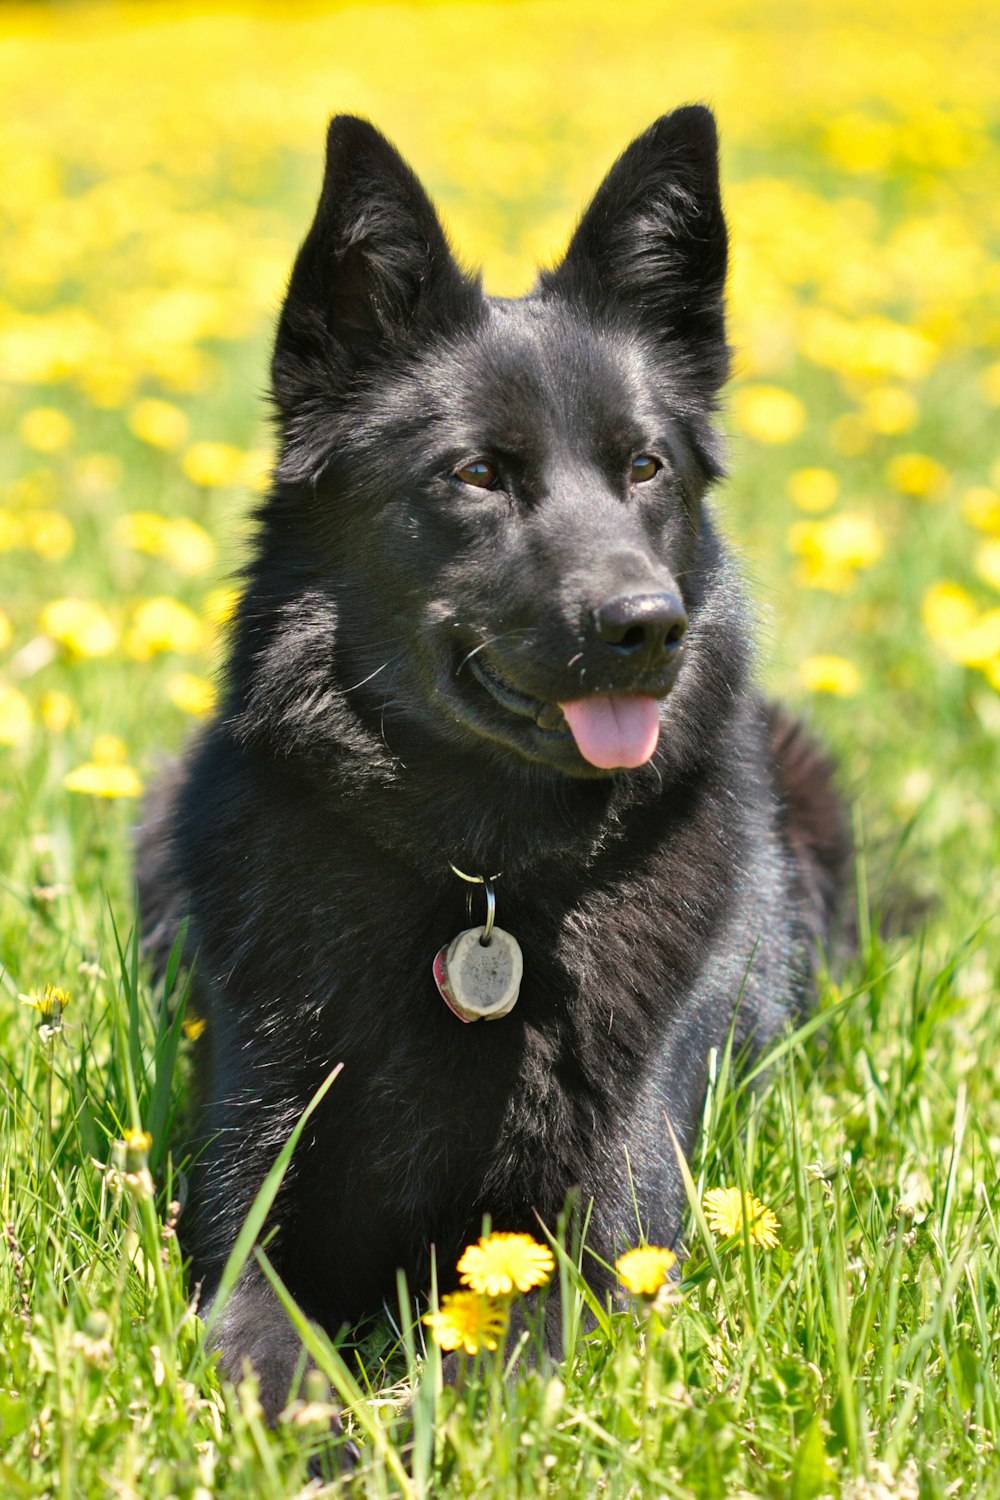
(491, 901)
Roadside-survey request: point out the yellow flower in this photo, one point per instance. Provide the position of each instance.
(182, 542)
(725, 1209)
(466, 1320)
(981, 508)
(58, 711)
(988, 563)
(193, 1027)
(849, 540)
(83, 627)
(163, 624)
(642, 1272)
(917, 474)
(813, 489)
(194, 695)
(214, 465)
(109, 750)
(503, 1263)
(97, 473)
(830, 674)
(220, 606)
(890, 410)
(48, 533)
(159, 423)
(947, 611)
(15, 716)
(50, 1004)
(97, 779)
(768, 413)
(46, 429)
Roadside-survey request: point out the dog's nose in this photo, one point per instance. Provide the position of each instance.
(647, 627)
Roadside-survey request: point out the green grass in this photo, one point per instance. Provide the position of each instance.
(860, 1356)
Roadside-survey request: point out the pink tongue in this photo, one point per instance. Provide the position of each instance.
(617, 731)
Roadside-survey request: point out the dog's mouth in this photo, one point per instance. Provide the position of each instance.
(606, 731)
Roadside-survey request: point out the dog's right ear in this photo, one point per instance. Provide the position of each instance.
(374, 265)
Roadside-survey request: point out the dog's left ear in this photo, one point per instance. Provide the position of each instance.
(652, 245)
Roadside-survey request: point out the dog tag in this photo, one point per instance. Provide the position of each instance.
(480, 982)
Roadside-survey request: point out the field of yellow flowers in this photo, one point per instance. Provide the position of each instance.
(158, 165)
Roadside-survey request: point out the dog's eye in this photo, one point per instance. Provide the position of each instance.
(480, 472)
(644, 467)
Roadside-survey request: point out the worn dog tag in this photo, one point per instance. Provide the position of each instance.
(477, 982)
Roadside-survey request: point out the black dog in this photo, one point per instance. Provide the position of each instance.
(489, 624)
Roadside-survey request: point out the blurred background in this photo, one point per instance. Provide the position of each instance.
(158, 166)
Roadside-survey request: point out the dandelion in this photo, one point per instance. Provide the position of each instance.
(947, 610)
(981, 508)
(97, 474)
(503, 1263)
(58, 711)
(193, 695)
(46, 429)
(103, 779)
(813, 489)
(182, 542)
(644, 1271)
(830, 674)
(214, 465)
(987, 563)
(80, 626)
(917, 474)
(128, 1170)
(163, 624)
(468, 1321)
(16, 717)
(47, 533)
(725, 1210)
(193, 1027)
(889, 410)
(50, 1004)
(220, 606)
(158, 423)
(768, 413)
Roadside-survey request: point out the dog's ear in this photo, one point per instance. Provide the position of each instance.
(652, 244)
(374, 265)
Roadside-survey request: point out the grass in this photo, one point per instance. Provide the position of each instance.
(146, 246)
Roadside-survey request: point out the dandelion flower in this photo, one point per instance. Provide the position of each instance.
(158, 423)
(917, 474)
(768, 413)
(163, 624)
(830, 674)
(84, 628)
(214, 465)
(46, 429)
(194, 695)
(813, 489)
(503, 1263)
(103, 779)
(642, 1272)
(466, 1320)
(725, 1209)
(193, 1027)
(981, 508)
(50, 1004)
(16, 717)
(988, 563)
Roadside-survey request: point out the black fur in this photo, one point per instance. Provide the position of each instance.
(398, 631)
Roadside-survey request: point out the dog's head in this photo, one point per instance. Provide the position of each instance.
(496, 505)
